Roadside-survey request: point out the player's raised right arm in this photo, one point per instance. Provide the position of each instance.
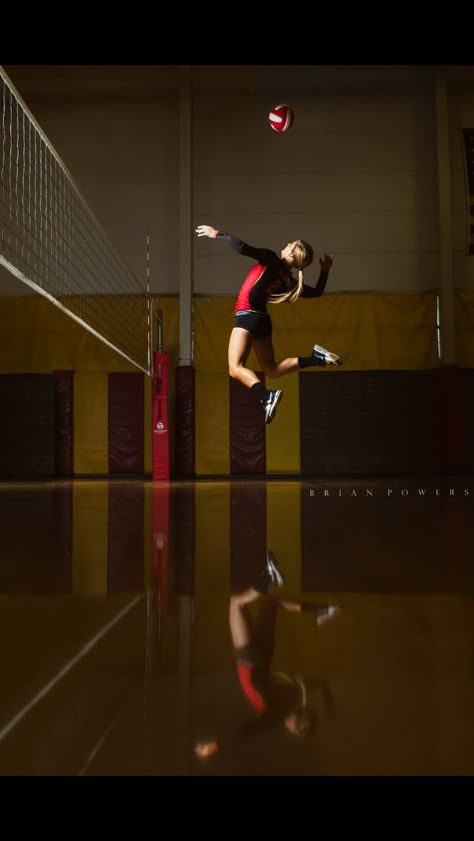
(206, 231)
(263, 255)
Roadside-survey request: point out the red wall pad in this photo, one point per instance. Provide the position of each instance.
(63, 422)
(451, 444)
(160, 448)
(185, 409)
(247, 430)
(125, 553)
(126, 419)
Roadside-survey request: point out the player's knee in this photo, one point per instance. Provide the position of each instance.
(233, 370)
(271, 371)
(237, 601)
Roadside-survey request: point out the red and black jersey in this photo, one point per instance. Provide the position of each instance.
(271, 276)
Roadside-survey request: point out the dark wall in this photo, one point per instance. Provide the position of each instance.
(27, 447)
(467, 419)
(370, 423)
(353, 423)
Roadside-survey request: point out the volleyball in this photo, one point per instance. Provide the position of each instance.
(280, 117)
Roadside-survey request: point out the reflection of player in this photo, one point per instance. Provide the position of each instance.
(275, 696)
(269, 281)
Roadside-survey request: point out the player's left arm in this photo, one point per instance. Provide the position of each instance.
(316, 291)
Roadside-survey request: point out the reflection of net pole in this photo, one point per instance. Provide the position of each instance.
(160, 442)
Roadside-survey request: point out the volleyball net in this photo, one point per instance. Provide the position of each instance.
(51, 240)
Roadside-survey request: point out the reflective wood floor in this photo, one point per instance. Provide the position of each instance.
(126, 607)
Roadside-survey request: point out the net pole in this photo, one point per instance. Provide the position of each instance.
(149, 319)
(160, 331)
(160, 431)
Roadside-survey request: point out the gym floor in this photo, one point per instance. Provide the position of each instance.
(116, 648)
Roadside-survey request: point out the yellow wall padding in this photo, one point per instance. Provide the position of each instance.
(370, 330)
(284, 530)
(464, 315)
(211, 635)
(90, 538)
(91, 438)
(283, 438)
(37, 337)
(18, 335)
(212, 443)
(213, 323)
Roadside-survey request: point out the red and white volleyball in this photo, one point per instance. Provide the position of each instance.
(280, 117)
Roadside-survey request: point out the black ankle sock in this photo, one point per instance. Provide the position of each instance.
(309, 361)
(261, 582)
(261, 392)
(315, 607)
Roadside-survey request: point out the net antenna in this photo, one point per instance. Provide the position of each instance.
(51, 240)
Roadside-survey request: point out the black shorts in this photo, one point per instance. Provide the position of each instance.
(259, 651)
(259, 324)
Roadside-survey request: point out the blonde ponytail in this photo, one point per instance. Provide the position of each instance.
(302, 257)
(290, 296)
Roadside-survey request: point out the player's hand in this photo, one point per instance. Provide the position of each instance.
(326, 262)
(206, 231)
(203, 749)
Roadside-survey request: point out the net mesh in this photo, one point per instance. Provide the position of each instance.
(52, 241)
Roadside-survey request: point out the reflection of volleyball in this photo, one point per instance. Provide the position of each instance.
(280, 117)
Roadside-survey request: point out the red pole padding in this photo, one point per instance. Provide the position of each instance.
(160, 458)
